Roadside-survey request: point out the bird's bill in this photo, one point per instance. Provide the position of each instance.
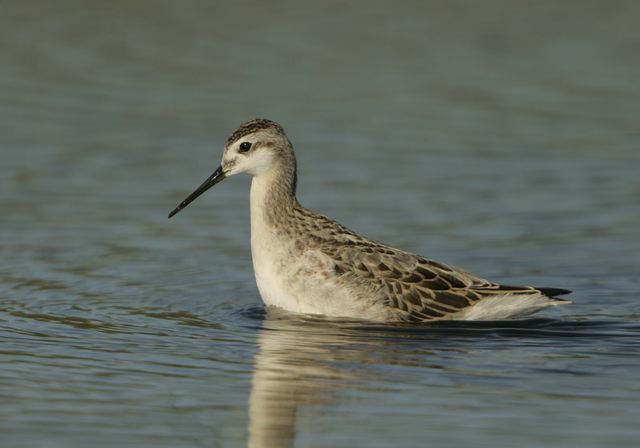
(216, 177)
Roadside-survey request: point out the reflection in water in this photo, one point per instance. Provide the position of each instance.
(304, 362)
(293, 368)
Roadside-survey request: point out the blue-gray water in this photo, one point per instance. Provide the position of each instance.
(502, 137)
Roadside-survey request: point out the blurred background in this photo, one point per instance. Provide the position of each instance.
(499, 136)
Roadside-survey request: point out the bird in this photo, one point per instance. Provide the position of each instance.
(307, 263)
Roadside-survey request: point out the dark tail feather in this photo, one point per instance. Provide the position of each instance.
(553, 292)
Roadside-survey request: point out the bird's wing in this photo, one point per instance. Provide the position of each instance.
(417, 288)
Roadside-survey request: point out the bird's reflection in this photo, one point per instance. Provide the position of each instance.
(301, 364)
(295, 367)
(305, 363)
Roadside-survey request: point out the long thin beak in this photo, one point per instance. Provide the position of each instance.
(216, 177)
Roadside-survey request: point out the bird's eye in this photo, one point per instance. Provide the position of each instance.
(244, 147)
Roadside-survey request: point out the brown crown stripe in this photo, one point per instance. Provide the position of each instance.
(252, 126)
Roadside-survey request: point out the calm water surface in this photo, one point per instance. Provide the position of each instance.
(503, 139)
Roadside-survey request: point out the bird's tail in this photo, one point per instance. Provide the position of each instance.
(553, 293)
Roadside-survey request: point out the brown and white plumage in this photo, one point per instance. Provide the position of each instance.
(305, 262)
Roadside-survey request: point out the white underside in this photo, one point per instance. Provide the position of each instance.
(297, 281)
(509, 306)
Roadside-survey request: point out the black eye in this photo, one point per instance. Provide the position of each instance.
(245, 146)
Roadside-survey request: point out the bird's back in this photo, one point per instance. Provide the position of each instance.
(406, 286)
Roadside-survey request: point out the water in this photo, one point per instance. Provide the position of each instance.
(503, 139)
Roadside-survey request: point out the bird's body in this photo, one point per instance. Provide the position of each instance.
(307, 263)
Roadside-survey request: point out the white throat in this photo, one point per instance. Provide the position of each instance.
(268, 243)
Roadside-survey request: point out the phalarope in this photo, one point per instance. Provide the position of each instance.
(307, 263)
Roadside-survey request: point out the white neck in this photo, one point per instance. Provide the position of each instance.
(273, 193)
(272, 202)
(260, 187)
